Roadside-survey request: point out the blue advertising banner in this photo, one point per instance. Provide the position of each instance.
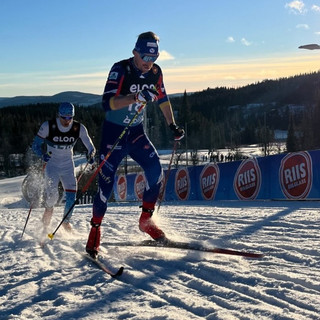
(292, 176)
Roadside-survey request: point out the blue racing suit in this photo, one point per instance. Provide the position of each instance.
(124, 78)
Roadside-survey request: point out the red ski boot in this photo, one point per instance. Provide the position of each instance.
(93, 243)
(147, 225)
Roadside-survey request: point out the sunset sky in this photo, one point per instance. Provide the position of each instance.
(49, 47)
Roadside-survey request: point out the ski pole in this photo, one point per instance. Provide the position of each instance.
(30, 209)
(161, 196)
(82, 173)
(87, 185)
(31, 206)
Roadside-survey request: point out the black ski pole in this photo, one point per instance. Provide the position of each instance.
(25, 225)
(31, 206)
(82, 173)
(161, 196)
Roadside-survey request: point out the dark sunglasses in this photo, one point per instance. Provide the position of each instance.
(66, 118)
(147, 58)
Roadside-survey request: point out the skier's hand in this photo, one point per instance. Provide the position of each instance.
(46, 156)
(146, 95)
(177, 131)
(90, 157)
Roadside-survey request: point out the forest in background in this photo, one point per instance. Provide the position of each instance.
(213, 118)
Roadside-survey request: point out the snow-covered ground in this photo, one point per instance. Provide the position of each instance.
(57, 283)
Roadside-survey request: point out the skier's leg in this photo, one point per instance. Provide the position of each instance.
(144, 153)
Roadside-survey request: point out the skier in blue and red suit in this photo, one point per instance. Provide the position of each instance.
(130, 84)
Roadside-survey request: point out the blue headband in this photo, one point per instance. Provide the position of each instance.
(147, 47)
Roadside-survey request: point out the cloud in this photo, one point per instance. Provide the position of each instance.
(297, 7)
(245, 42)
(165, 55)
(230, 40)
(315, 8)
(302, 26)
(317, 33)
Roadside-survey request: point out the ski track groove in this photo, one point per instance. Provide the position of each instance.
(173, 283)
(247, 294)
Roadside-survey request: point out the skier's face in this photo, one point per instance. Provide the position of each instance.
(144, 63)
(65, 121)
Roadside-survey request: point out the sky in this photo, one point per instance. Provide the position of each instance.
(47, 47)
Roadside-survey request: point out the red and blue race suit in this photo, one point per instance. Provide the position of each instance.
(124, 78)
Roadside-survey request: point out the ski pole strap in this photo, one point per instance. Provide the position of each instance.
(147, 210)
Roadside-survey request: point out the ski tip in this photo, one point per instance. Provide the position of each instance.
(119, 273)
(51, 235)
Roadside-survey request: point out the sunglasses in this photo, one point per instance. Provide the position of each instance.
(147, 58)
(66, 118)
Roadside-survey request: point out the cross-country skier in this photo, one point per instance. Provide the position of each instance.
(54, 143)
(131, 83)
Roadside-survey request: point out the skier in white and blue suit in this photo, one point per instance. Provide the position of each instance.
(54, 143)
(131, 83)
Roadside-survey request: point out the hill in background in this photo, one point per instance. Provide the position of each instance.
(75, 97)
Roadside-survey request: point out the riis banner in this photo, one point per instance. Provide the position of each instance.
(294, 176)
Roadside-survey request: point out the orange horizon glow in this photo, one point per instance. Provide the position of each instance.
(197, 78)
(177, 78)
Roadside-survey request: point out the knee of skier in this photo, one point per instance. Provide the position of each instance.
(153, 177)
(99, 205)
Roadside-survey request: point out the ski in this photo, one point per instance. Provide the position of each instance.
(185, 246)
(102, 266)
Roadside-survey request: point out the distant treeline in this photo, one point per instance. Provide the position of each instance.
(229, 117)
(213, 118)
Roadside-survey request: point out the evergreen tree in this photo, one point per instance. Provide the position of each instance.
(291, 143)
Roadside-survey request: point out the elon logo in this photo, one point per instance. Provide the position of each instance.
(295, 175)
(209, 180)
(139, 185)
(182, 184)
(247, 181)
(122, 187)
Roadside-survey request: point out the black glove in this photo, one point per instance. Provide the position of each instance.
(177, 131)
(46, 156)
(90, 157)
(146, 95)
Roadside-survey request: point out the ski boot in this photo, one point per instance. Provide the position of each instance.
(146, 224)
(93, 242)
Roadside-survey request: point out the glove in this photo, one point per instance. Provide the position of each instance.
(177, 131)
(46, 156)
(146, 95)
(90, 157)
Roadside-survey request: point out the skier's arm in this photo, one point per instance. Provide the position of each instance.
(37, 146)
(166, 108)
(39, 141)
(86, 140)
(167, 112)
(111, 99)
